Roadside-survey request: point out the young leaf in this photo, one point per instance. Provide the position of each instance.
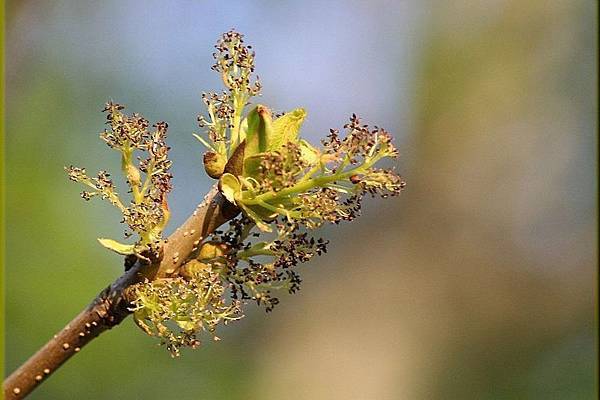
(309, 154)
(286, 128)
(120, 248)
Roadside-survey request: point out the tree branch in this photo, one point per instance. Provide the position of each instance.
(110, 307)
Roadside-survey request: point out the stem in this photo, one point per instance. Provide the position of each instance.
(111, 307)
(251, 253)
(131, 172)
(311, 172)
(279, 210)
(239, 102)
(297, 188)
(112, 196)
(320, 181)
(147, 178)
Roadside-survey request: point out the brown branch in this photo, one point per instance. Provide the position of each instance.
(110, 307)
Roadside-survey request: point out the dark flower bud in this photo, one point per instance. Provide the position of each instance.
(355, 179)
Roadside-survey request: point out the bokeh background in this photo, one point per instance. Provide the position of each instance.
(479, 282)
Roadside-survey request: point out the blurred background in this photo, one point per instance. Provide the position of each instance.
(479, 282)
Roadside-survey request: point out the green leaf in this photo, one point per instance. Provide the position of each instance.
(259, 130)
(249, 183)
(260, 224)
(259, 247)
(286, 128)
(120, 248)
(230, 186)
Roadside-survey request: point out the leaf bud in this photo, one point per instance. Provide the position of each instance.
(211, 250)
(191, 268)
(214, 164)
(133, 175)
(355, 179)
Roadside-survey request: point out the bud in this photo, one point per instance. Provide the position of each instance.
(133, 175)
(211, 250)
(355, 179)
(191, 268)
(260, 128)
(214, 164)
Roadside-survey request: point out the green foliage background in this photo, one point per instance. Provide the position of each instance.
(479, 282)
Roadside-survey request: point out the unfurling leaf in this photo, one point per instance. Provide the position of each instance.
(256, 218)
(230, 186)
(259, 131)
(309, 154)
(286, 128)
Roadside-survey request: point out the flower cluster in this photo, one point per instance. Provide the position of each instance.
(284, 187)
(102, 185)
(255, 268)
(266, 170)
(234, 61)
(177, 309)
(220, 119)
(232, 264)
(313, 186)
(279, 170)
(150, 181)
